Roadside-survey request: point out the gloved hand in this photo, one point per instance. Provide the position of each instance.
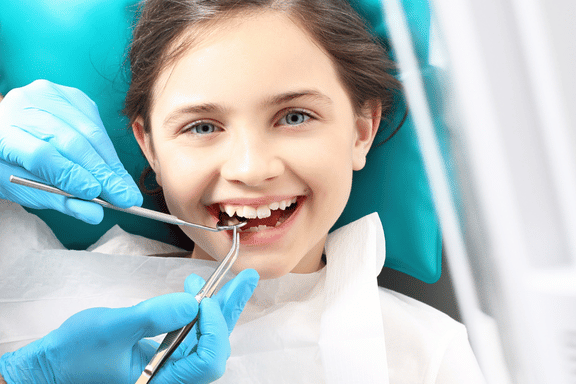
(103, 345)
(54, 134)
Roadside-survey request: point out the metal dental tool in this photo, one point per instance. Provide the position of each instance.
(138, 211)
(173, 339)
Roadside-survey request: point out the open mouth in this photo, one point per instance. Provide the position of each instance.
(258, 219)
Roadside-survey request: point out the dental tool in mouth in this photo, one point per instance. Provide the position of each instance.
(138, 211)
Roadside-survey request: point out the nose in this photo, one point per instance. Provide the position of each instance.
(252, 160)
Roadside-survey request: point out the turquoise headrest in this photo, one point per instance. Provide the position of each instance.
(84, 45)
(394, 181)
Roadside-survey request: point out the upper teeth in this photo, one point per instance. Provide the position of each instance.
(260, 212)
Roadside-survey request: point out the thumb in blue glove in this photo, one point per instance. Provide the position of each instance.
(232, 296)
(231, 299)
(103, 345)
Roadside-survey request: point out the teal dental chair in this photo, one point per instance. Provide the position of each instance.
(82, 44)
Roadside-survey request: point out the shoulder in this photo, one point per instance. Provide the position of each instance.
(401, 310)
(420, 342)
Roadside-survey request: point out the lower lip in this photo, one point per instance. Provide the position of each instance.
(272, 235)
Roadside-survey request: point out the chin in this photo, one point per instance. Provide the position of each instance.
(265, 268)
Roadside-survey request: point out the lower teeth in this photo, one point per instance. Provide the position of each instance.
(261, 227)
(258, 228)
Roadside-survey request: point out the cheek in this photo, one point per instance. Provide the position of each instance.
(326, 164)
(184, 176)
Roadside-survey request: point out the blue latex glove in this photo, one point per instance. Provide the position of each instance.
(54, 134)
(103, 345)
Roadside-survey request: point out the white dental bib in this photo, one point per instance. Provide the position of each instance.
(324, 327)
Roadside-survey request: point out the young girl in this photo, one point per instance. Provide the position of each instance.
(260, 111)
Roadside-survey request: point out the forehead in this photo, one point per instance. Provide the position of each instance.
(265, 50)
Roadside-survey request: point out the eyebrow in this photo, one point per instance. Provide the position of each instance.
(289, 96)
(193, 109)
(269, 101)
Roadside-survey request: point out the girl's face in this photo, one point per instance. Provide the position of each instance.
(253, 121)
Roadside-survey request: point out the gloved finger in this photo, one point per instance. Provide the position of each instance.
(77, 148)
(45, 162)
(233, 296)
(208, 362)
(165, 313)
(24, 365)
(148, 348)
(95, 132)
(78, 110)
(149, 318)
(86, 211)
(189, 344)
(193, 284)
(46, 109)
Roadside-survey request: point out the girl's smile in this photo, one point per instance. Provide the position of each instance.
(259, 214)
(253, 124)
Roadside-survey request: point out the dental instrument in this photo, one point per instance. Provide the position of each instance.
(173, 339)
(138, 211)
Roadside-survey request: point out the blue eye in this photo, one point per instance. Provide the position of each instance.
(202, 128)
(294, 118)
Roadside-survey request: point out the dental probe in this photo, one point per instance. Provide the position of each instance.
(138, 211)
(173, 339)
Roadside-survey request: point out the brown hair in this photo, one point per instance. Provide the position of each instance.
(359, 58)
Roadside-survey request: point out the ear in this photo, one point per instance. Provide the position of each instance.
(146, 145)
(367, 124)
